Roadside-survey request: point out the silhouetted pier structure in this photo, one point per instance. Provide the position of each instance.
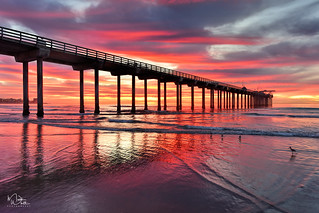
(26, 47)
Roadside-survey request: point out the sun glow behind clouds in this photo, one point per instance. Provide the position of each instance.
(315, 97)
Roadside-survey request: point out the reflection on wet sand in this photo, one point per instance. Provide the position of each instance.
(24, 150)
(105, 154)
(49, 159)
(39, 153)
(97, 161)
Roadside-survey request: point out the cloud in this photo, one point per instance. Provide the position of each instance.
(269, 42)
(270, 22)
(78, 7)
(17, 26)
(286, 29)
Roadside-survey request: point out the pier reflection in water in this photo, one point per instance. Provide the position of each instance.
(77, 169)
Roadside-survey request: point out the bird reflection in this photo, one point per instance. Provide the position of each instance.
(239, 138)
(292, 157)
(211, 137)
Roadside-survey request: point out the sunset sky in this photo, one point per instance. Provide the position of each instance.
(260, 44)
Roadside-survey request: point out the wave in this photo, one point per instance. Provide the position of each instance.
(296, 108)
(125, 121)
(184, 129)
(228, 185)
(245, 131)
(281, 115)
(225, 130)
(139, 121)
(175, 128)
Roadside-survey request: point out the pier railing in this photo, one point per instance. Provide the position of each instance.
(39, 41)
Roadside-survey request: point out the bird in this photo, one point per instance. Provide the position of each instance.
(292, 150)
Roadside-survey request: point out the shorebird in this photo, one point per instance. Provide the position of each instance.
(292, 150)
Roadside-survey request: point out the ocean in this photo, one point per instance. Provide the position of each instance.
(200, 161)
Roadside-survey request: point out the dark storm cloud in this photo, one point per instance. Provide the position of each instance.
(305, 27)
(171, 17)
(304, 51)
(254, 72)
(299, 50)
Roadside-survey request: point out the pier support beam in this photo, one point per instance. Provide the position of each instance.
(180, 96)
(203, 98)
(227, 99)
(118, 94)
(218, 99)
(145, 94)
(212, 98)
(96, 87)
(241, 100)
(230, 100)
(255, 101)
(40, 112)
(252, 101)
(81, 92)
(237, 100)
(165, 96)
(248, 101)
(133, 110)
(159, 95)
(224, 97)
(177, 97)
(233, 100)
(245, 106)
(26, 110)
(192, 98)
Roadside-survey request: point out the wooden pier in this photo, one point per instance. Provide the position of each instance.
(26, 47)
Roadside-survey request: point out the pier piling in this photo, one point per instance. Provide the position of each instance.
(118, 109)
(159, 95)
(133, 110)
(203, 98)
(145, 94)
(165, 96)
(192, 98)
(40, 111)
(96, 89)
(26, 110)
(81, 92)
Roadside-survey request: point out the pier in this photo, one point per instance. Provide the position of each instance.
(26, 47)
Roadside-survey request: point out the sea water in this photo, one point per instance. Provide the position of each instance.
(200, 161)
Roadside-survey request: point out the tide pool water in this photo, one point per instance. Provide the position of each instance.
(201, 161)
